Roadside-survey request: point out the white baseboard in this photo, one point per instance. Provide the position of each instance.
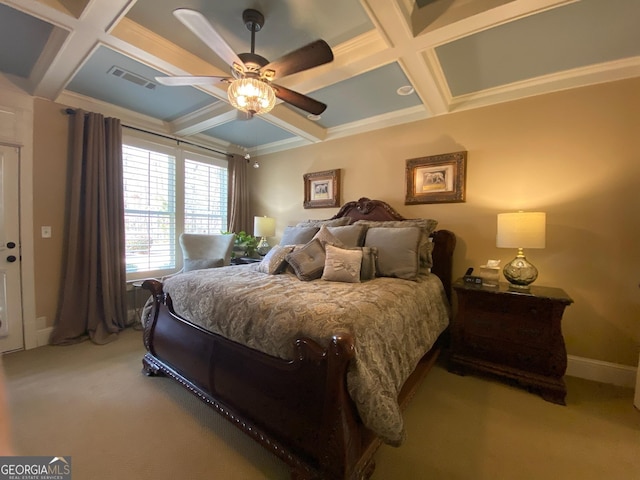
(43, 335)
(599, 371)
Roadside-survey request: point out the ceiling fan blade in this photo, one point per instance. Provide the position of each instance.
(299, 100)
(311, 55)
(189, 80)
(200, 26)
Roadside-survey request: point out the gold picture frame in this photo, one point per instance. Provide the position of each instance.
(436, 179)
(322, 189)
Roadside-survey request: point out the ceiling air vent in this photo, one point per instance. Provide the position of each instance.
(131, 77)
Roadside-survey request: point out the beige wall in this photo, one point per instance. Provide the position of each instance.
(571, 154)
(49, 187)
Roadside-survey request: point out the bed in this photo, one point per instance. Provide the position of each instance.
(315, 370)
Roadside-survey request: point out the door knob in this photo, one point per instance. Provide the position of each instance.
(11, 258)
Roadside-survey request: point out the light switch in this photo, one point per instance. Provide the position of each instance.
(46, 231)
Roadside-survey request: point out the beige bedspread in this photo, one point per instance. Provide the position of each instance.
(394, 322)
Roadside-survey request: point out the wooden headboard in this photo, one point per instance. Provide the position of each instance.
(444, 240)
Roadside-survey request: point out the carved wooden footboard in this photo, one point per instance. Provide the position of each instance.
(300, 409)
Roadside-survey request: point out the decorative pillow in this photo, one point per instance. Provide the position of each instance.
(326, 237)
(200, 263)
(342, 265)
(427, 225)
(350, 235)
(308, 261)
(368, 267)
(332, 222)
(298, 235)
(398, 250)
(274, 262)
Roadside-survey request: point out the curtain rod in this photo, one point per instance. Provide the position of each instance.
(71, 111)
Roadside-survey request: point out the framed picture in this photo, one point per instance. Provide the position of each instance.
(322, 189)
(436, 179)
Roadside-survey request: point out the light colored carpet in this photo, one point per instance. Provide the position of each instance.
(93, 403)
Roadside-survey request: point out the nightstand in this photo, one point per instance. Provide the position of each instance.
(244, 260)
(511, 334)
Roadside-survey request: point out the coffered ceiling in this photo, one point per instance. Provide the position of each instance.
(104, 55)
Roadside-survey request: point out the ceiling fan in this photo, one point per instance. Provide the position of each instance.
(251, 89)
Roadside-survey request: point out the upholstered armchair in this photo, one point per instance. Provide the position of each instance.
(198, 251)
(206, 251)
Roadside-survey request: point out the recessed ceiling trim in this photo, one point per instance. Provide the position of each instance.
(367, 47)
(47, 56)
(76, 100)
(142, 44)
(400, 117)
(205, 118)
(286, 119)
(578, 77)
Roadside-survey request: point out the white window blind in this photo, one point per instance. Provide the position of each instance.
(150, 209)
(205, 197)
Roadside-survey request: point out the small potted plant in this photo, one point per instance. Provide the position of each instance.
(245, 245)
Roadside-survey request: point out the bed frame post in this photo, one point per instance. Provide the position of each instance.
(339, 450)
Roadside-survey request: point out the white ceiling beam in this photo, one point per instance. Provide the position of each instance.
(392, 22)
(56, 70)
(205, 118)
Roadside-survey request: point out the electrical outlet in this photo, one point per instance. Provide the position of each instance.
(46, 231)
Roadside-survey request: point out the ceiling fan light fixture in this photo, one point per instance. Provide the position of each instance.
(251, 95)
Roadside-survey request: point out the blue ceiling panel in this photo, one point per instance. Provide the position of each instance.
(366, 95)
(249, 133)
(576, 35)
(288, 24)
(95, 79)
(14, 24)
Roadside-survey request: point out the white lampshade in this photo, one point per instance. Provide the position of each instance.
(264, 226)
(521, 230)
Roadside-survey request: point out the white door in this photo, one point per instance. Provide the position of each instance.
(11, 331)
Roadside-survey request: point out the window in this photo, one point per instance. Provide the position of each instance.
(167, 191)
(205, 198)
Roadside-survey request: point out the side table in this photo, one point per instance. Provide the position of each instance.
(245, 260)
(512, 334)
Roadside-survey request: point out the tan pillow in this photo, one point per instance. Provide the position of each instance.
(398, 250)
(274, 262)
(334, 222)
(326, 237)
(369, 259)
(342, 265)
(298, 235)
(307, 261)
(426, 225)
(350, 235)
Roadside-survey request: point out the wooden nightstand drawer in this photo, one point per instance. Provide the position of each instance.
(518, 356)
(522, 322)
(513, 334)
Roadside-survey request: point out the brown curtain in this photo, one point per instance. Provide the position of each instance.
(238, 206)
(93, 297)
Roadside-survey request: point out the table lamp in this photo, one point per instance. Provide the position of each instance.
(521, 230)
(263, 227)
